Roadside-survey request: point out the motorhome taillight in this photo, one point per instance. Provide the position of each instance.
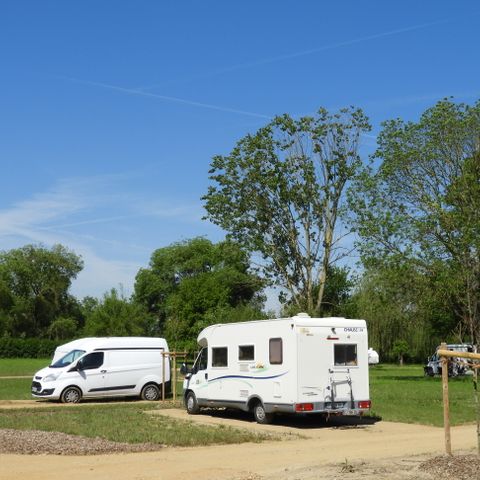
(303, 407)
(364, 404)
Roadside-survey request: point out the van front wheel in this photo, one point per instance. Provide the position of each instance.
(261, 416)
(71, 395)
(150, 392)
(192, 404)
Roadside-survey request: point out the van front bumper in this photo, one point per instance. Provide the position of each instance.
(40, 392)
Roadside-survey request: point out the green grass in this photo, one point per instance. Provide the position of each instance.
(129, 423)
(10, 367)
(404, 394)
(399, 394)
(15, 389)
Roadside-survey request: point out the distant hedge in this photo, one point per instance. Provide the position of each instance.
(27, 347)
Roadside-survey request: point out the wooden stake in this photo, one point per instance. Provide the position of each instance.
(446, 405)
(164, 356)
(174, 380)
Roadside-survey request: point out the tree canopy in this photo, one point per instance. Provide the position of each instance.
(280, 193)
(194, 283)
(34, 284)
(422, 206)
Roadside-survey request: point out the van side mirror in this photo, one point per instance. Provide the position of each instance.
(78, 367)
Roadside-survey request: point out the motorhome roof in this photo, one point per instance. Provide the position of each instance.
(300, 320)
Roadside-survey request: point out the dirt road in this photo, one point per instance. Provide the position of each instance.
(384, 450)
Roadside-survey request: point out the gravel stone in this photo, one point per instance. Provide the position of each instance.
(36, 442)
(458, 467)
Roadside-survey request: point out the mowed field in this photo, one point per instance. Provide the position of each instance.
(399, 394)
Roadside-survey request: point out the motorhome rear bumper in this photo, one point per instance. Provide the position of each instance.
(336, 408)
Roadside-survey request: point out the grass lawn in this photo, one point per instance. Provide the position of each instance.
(15, 389)
(10, 367)
(399, 394)
(130, 423)
(404, 394)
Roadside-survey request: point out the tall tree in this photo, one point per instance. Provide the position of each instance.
(191, 284)
(34, 284)
(115, 315)
(281, 193)
(423, 204)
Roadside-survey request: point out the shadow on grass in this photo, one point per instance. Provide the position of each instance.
(300, 421)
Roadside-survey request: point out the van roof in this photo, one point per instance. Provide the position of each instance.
(92, 343)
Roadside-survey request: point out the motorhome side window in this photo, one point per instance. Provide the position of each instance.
(276, 351)
(219, 357)
(345, 355)
(246, 352)
(91, 361)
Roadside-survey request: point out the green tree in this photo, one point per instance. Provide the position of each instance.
(422, 206)
(34, 284)
(115, 315)
(192, 283)
(280, 193)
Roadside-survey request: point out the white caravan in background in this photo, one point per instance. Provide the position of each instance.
(105, 367)
(289, 365)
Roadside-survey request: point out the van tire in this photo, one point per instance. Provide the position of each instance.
(71, 395)
(260, 415)
(191, 404)
(150, 392)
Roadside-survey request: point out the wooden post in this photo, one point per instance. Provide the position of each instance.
(174, 380)
(446, 405)
(164, 356)
(477, 401)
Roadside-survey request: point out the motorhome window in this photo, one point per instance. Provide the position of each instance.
(345, 355)
(246, 352)
(276, 351)
(69, 358)
(91, 361)
(220, 357)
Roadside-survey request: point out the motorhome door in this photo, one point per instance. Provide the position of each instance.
(199, 379)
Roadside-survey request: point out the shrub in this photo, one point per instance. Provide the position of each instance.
(27, 347)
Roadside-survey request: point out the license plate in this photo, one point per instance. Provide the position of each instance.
(35, 389)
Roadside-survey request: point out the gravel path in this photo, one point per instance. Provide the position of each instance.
(35, 442)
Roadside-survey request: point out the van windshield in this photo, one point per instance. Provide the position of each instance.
(69, 358)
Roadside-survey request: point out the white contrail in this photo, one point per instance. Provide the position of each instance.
(303, 53)
(134, 91)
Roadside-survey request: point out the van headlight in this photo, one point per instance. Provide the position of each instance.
(51, 377)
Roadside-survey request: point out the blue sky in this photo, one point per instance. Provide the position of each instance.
(111, 111)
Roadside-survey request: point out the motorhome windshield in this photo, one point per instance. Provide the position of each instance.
(69, 358)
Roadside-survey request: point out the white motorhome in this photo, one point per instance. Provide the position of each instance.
(105, 367)
(289, 365)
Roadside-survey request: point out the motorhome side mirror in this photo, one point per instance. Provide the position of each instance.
(184, 370)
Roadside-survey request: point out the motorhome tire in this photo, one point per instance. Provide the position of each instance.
(71, 395)
(261, 416)
(150, 392)
(192, 404)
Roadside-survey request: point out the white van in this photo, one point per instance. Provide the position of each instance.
(289, 365)
(105, 367)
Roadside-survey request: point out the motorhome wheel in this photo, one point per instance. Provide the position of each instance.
(71, 395)
(150, 392)
(261, 416)
(192, 404)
